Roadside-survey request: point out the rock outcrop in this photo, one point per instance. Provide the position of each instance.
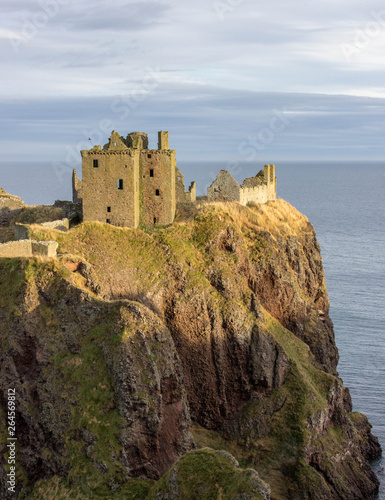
(133, 348)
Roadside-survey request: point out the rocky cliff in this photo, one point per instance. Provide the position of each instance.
(136, 347)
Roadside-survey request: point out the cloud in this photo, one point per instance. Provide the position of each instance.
(127, 17)
(205, 122)
(218, 79)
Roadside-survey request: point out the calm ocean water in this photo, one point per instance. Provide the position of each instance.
(345, 201)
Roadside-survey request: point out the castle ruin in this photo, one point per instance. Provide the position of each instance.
(258, 189)
(127, 184)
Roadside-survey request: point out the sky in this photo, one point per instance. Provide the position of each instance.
(234, 80)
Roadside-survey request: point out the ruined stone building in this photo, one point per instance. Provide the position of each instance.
(258, 189)
(126, 184)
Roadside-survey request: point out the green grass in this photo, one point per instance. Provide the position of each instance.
(12, 280)
(87, 386)
(206, 474)
(60, 489)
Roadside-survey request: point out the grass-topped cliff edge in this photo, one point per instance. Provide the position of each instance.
(136, 346)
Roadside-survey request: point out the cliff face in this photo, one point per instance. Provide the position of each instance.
(136, 347)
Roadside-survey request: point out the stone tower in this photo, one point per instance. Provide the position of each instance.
(127, 184)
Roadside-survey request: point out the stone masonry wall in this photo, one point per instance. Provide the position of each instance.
(44, 248)
(28, 248)
(224, 188)
(21, 231)
(77, 188)
(59, 225)
(258, 189)
(257, 194)
(103, 198)
(10, 206)
(127, 184)
(157, 177)
(183, 196)
(191, 194)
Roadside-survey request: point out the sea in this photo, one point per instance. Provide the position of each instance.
(345, 202)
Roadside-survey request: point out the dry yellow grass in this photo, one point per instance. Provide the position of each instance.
(276, 216)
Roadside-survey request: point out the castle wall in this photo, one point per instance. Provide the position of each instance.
(163, 142)
(59, 225)
(21, 231)
(258, 194)
(127, 184)
(181, 195)
(224, 188)
(158, 200)
(191, 194)
(28, 248)
(110, 190)
(10, 206)
(77, 188)
(179, 186)
(256, 189)
(44, 248)
(22, 248)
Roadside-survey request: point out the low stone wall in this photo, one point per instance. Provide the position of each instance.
(44, 248)
(28, 248)
(21, 231)
(22, 248)
(60, 225)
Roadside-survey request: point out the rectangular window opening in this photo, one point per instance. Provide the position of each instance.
(148, 156)
(151, 172)
(157, 193)
(96, 163)
(108, 209)
(108, 221)
(120, 183)
(155, 220)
